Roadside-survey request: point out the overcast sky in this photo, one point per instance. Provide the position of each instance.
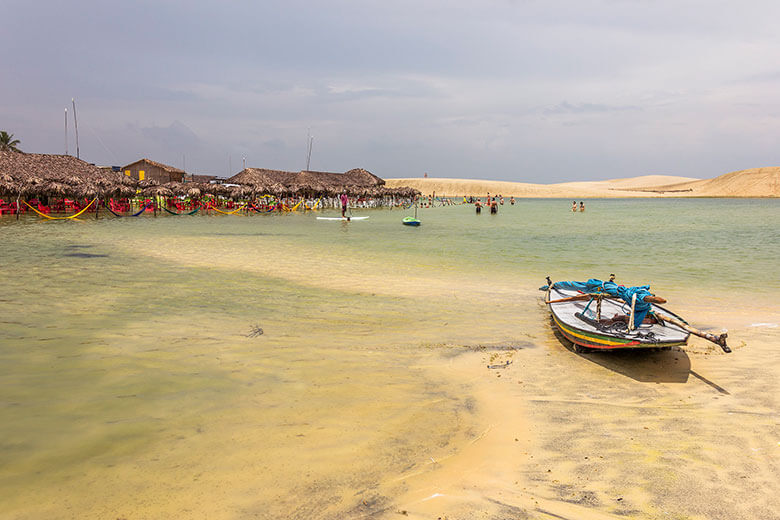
(534, 91)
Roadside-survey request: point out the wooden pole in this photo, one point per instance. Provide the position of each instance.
(588, 296)
(718, 340)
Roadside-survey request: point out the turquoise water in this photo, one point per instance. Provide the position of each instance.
(131, 383)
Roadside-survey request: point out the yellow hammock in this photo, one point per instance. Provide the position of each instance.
(315, 204)
(61, 218)
(294, 207)
(228, 212)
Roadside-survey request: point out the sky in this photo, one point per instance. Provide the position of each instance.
(529, 91)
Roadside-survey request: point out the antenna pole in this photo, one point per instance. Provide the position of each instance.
(308, 157)
(66, 131)
(76, 125)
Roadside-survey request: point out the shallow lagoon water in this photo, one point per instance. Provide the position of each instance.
(133, 387)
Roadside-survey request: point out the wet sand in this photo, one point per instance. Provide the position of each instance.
(688, 434)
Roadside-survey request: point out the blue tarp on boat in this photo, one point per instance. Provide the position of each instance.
(621, 291)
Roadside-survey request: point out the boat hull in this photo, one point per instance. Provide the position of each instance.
(584, 331)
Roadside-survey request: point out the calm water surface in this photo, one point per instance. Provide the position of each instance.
(131, 384)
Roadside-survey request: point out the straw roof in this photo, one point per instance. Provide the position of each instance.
(166, 167)
(361, 177)
(262, 180)
(357, 181)
(58, 175)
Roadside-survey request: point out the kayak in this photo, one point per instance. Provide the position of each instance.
(410, 221)
(601, 322)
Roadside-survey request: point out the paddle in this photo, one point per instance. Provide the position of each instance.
(718, 340)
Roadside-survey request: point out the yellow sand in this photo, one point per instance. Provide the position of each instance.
(754, 182)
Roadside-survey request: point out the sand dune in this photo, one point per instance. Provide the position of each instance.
(754, 182)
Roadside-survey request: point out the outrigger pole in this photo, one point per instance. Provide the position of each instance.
(718, 340)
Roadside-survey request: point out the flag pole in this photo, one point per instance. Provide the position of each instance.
(76, 125)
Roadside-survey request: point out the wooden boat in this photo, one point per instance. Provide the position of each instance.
(411, 221)
(588, 323)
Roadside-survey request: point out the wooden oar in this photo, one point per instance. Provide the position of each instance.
(588, 296)
(718, 340)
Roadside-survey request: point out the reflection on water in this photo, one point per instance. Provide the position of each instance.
(133, 385)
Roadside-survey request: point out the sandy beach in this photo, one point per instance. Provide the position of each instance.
(754, 182)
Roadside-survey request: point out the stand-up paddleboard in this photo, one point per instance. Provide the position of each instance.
(344, 219)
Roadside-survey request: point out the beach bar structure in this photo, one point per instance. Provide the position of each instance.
(355, 182)
(148, 170)
(46, 175)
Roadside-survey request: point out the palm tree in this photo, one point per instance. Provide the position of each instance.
(8, 143)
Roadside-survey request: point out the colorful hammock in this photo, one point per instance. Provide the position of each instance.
(61, 218)
(180, 214)
(226, 212)
(108, 207)
(262, 210)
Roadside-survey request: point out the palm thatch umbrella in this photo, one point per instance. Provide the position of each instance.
(311, 183)
(262, 180)
(361, 177)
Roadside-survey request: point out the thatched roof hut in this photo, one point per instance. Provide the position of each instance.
(262, 180)
(355, 182)
(58, 175)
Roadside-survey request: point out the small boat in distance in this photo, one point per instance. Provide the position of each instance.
(412, 221)
(597, 315)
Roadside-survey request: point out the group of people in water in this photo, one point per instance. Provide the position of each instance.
(574, 205)
(490, 202)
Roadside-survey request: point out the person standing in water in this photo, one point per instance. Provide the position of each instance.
(582, 206)
(344, 203)
(574, 205)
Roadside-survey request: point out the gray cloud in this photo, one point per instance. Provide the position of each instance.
(522, 90)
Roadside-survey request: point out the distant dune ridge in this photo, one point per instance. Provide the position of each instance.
(754, 182)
